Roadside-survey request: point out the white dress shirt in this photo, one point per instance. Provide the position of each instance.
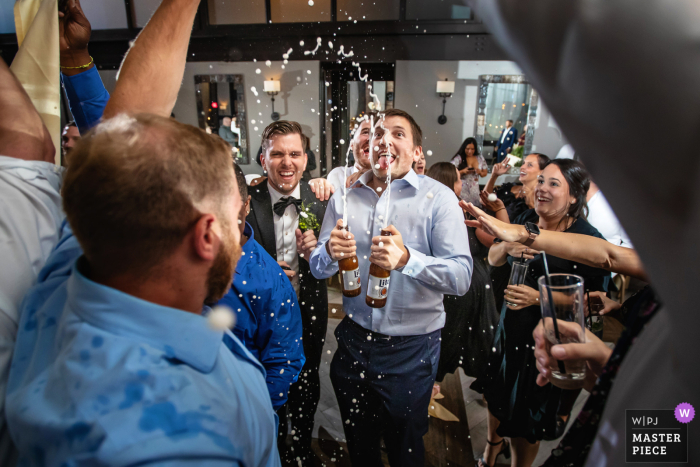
(30, 222)
(505, 134)
(337, 178)
(431, 223)
(285, 236)
(602, 217)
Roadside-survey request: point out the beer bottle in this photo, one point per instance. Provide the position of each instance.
(378, 283)
(350, 274)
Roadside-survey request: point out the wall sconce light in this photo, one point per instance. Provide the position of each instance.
(445, 89)
(272, 87)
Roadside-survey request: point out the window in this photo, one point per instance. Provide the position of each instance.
(106, 14)
(238, 12)
(437, 9)
(368, 10)
(296, 11)
(143, 10)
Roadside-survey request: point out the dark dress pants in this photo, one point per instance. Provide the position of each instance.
(383, 385)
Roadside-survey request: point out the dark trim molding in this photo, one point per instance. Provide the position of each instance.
(372, 41)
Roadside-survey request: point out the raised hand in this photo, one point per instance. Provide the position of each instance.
(74, 35)
(500, 168)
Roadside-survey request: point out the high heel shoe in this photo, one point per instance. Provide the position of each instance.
(505, 450)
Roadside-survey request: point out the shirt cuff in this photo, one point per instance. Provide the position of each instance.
(415, 264)
(325, 258)
(86, 85)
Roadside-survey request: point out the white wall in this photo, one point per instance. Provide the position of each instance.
(548, 137)
(298, 99)
(415, 93)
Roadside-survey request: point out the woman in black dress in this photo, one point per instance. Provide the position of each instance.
(516, 198)
(471, 319)
(518, 408)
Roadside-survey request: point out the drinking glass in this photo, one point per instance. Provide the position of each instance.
(517, 277)
(562, 299)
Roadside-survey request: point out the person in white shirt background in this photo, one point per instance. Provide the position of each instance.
(360, 151)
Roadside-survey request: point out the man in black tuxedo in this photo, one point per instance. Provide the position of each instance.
(508, 137)
(275, 214)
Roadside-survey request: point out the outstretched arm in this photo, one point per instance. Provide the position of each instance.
(583, 249)
(23, 134)
(152, 70)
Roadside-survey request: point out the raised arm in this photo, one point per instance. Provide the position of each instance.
(498, 170)
(152, 70)
(87, 96)
(583, 249)
(23, 134)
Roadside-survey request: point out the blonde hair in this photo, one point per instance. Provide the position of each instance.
(137, 184)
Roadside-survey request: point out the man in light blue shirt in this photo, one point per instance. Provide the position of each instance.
(385, 366)
(114, 363)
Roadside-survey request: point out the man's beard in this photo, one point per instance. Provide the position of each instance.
(221, 272)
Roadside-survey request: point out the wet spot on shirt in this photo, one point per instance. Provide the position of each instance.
(133, 393)
(169, 351)
(102, 399)
(77, 432)
(164, 416)
(97, 342)
(51, 321)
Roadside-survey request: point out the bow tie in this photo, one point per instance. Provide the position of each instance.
(282, 204)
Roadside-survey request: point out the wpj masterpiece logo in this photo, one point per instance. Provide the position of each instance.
(658, 435)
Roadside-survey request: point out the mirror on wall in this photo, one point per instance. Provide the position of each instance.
(221, 111)
(503, 98)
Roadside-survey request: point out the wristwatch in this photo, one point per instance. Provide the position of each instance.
(533, 230)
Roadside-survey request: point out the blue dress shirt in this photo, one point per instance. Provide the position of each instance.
(87, 97)
(100, 377)
(431, 223)
(268, 320)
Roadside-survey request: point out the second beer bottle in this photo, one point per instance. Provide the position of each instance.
(350, 274)
(378, 283)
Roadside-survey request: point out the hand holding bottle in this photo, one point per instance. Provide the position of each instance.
(389, 252)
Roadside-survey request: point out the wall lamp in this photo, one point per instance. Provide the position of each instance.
(445, 89)
(272, 87)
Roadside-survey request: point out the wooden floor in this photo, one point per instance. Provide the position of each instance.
(448, 443)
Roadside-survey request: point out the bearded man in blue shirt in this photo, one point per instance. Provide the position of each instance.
(384, 369)
(114, 363)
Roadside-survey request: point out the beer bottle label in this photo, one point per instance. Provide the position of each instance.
(351, 279)
(377, 287)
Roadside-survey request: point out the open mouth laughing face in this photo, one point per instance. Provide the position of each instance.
(285, 162)
(393, 148)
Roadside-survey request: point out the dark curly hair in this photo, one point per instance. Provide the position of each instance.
(463, 147)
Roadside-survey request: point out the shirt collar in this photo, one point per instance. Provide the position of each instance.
(276, 195)
(411, 178)
(179, 334)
